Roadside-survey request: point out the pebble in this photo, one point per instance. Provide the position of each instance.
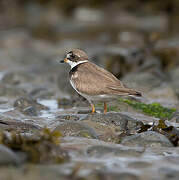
(8, 157)
(147, 139)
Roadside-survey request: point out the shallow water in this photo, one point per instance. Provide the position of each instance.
(6, 110)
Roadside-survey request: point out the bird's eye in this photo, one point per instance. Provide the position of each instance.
(72, 56)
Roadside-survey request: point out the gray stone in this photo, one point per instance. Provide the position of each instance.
(63, 83)
(172, 159)
(164, 94)
(41, 93)
(175, 117)
(63, 102)
(30, 111)
(147, 139)
(7, 156)
(11, 91)
(71, 117)
(80, 129)
(169, 173)
(10, 124)
(124, 122)
(139, 164)
(143, 81)
(174, 74)
(102, 150)
(32, 172)
(28, 106)
(117, 176)
(121, 60)
(18, 77)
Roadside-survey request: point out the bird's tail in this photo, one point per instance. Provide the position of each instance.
(131, 92)
(125, 91)
(135, 93)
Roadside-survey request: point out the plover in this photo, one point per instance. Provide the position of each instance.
(93, 82)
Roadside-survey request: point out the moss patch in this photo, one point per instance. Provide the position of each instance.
(153, 109)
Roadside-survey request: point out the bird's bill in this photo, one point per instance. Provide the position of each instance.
(64, 61)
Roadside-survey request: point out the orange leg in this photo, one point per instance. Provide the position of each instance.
(93, 109)
(105, 107)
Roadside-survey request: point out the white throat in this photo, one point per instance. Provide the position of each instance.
(73, 64)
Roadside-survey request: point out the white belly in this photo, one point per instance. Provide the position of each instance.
(82, 94)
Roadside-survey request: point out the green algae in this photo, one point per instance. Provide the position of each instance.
(113, 108)
(153, 109)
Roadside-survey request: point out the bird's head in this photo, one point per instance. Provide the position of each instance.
(75, 57)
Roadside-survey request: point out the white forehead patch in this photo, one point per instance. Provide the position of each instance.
(68, 55)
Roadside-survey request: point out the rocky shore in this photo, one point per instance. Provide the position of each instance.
(46, 129)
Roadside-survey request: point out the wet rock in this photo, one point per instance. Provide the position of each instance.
(107, 133)
(15, 78)
(11, 91)
(151, 64)
(121, 60)
(124, 122)
(115, 176)
(175, 117)
(145, 23)
(28, 106)
(71, 117)
(40, 147)
(174, 74)
(162, 152)
(131, 37)
(15, 124)
(164, 94)
(80, 129)
(128, 176)
(172, 159)
(88, 15)
(169, 173)
(75, 101)
(32, 172)
(144, 118)
(17, 39)
(41, 93)
(63, 83)
(167, 51)
(8, 157)
(112, 126)
(143, 81)
(64, 102)
(101, 150)
(139, 164)
(79, 144)
(147, 139)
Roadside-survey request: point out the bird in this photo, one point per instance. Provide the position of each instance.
(93, 82)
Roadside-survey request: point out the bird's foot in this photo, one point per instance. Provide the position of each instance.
(93, 109)
(105, 107)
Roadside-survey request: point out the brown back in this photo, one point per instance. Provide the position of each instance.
(92, 79)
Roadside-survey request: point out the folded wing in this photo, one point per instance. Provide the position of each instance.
(94, 80)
